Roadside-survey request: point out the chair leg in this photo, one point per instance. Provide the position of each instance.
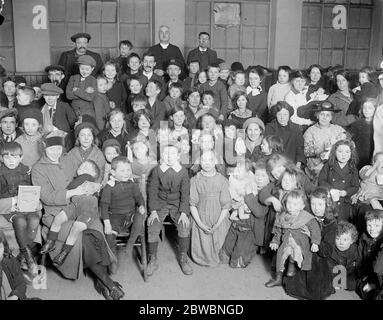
(144, 260)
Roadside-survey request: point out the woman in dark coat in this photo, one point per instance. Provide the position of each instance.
(289, 132)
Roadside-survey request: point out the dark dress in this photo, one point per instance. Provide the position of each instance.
(362, 133)
(315, 284)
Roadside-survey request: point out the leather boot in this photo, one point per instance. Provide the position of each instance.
(102, 289)
(152, 257)
(48, 246)
(291, 269)
(60, 258)
(116, 292)
(275, 282)
(183, 244)
(30, 260)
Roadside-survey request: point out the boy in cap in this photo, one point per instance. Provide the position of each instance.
(56, 75)
(69, 58)
(82, 87)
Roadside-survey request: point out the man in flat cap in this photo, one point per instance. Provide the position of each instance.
(57, 115)
(68, 59)
(164, 51)
(56, 75)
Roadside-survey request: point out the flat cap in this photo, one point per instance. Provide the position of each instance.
(86, 59)
(51, 89)
(80, 35)
(54, 67)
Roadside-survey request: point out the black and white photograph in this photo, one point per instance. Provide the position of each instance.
(191, 157)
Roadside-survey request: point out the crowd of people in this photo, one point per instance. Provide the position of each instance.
(243, 167)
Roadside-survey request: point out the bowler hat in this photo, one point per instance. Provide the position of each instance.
(32, 113)
(8, 113)
(80, 35)
(54, 67)
(86, 59)
(325, 106)
(87, 121)
(51, 89)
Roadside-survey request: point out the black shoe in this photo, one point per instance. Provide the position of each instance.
(152, 265)
(60, 258)
(103, 290)
(185, 265)
(116, 292)
(291, 269)
(48, 246)
(30, 261)
(23, 262)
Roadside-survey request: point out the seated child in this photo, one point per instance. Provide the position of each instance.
(12, 175)
(371, 186)
(370, 273)
(294, 230)
(207, 102)
(142, 164)
(119, 200)
(87, 173)
(240, 182)
(344, 252)
(168, 194)
(81, 88)
(278, 91)
(111, 149)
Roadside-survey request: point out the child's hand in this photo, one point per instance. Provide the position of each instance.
(112, 104)
(205, 228)
(221, 117)
(274, 246)
(75, 89)
(234, 216)
(89, 90)
(368, 287)
(141, 210)
(314, 247)
(184, 219)
(152, 217)
(107, 227)
(298, 165)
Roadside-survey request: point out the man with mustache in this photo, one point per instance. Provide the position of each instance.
(68, 59)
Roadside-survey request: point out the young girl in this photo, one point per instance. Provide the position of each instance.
(238, 85)
(340, 175)
(115, 89)
(111, 149)
(296, 97)
(202, 78)
(294, 230)
(367, 89)
(362, 132)
(31, 121)
(209, 206)
(271, 145)
(176, 133)
(316, 284)
(241, 112)
(115, 129)
(279, 90)
(256, 95)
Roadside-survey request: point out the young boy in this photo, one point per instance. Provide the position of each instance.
(101, 103)
(370, 272)
(168, 194)
(25, 99)
(13, 174)
(155, 106)
(173, 99)
(119, 200)
(139, 102)
(125, 46)
(8, 126)
(344, 252)
(111, 149)
(81, 88)
(85, 211)
(190, 81)
(222, 100)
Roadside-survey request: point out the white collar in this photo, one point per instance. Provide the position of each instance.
(164, 46)
(148, 75)
(54, 107)
(13, 136)
(177, 167)
(202, 50)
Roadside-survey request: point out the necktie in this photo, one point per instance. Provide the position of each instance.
(51, 113)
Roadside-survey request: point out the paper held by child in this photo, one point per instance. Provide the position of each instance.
(28, 199)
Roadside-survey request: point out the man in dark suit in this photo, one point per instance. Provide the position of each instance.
(203, 53)
(165, 51)
(68, 59)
